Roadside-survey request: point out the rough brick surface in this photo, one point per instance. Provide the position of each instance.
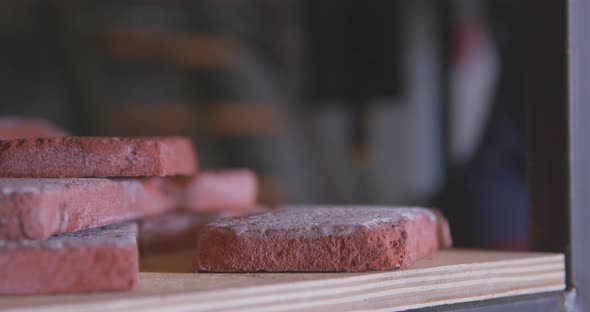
(39, 208)
(233, 191)
(80, 157)
(99, 259)
(318, 239)
(21, 127)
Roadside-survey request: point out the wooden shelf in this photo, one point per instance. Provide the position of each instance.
(450, 276)
(185, 49)
(229, 120)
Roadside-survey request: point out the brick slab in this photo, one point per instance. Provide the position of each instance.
(40, 208)
(99, 259)
(233, 191)
(319, 239)
(81, 157)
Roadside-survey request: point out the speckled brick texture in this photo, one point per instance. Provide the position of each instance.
(40, 208)
(319, 239)
(80, 157)
(99, 259)
(21, 127)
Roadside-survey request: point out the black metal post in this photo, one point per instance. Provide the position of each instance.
(558, 138)
(547, 126)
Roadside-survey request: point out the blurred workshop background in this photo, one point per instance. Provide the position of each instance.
(330, 102)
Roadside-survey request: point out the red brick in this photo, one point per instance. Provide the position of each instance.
(160, 195)
(40, 208)
(99, 259)
(79, 157)
(233, 191)
(318, 239)
(23, 127)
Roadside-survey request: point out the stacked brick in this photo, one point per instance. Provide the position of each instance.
(69, 206)
(76, 211)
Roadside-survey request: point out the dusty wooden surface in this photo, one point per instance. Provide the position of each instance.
(450, 276)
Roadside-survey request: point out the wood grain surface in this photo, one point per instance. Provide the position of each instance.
(450, 276)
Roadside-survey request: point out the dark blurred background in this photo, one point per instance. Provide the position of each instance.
(344, 102)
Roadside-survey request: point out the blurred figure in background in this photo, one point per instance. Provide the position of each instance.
(485, 198)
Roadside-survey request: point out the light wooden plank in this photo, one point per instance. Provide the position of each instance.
(450, 276)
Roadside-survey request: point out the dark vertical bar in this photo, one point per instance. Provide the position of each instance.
(579, 128)
(547, 126)
(558, 117)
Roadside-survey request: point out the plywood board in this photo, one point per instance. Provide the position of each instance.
(450, 276)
